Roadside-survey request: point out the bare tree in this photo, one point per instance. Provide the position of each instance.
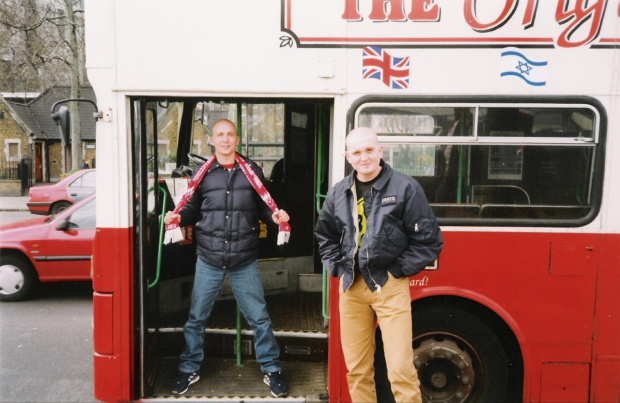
(71, 30)
(42, 45)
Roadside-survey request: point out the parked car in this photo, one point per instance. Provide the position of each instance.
(47, 249)
(52, 199)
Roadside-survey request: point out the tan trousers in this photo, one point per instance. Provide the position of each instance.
(358, 307)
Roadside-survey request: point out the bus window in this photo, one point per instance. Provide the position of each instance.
(554, 122)
(260, 127)
(201, 129)
(166, 122)
(404, 120)
(412, 159)
(494, 164)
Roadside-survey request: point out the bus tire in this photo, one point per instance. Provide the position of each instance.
(458, 356)
(17, 278)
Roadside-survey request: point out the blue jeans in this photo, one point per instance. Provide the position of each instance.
(248, 289)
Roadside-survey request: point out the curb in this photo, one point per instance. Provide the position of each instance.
(14, 204)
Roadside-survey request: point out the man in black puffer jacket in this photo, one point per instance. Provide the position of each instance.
(375, 230)
(225, 210)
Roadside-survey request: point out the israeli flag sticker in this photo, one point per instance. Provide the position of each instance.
(516, 64)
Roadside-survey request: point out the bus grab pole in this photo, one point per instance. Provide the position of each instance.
(319, 195)
(161, 238)
(239, 149)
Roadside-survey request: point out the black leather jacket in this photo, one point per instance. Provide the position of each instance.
(402, 235)
(225, 210)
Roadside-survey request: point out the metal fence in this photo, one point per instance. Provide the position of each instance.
(16, 169)
(9, 169)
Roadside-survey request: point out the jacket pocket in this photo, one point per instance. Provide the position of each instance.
(205, 225)
(248, 224)
(393, 231)
(422, 230)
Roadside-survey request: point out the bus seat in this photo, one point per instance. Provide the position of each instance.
(553, 174)
(277, 172)
(429, 184)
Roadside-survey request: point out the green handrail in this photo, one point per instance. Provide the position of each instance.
(239, 150)
(319, 163)
(161, 237)
(325, 294)
(460, 175)
(238, 341)
(240, 127)
(319, 195)
(461, 163)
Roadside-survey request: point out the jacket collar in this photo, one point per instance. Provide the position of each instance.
(217, 165)
(386, 174)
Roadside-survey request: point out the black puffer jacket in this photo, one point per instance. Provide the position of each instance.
(402, 235)
(225, 210)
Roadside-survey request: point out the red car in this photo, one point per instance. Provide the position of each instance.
(47, 249)
(52, 199)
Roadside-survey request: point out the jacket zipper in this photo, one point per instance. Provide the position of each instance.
(377, 286)
(354, 217)
(228, 213)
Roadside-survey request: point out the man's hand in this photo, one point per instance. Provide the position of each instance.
(280, 216)
(171, 217)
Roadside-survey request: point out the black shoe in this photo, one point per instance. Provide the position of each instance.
(181, 384)
(276, 383)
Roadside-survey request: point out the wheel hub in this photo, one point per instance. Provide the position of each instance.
(445, 370)
(11, 279)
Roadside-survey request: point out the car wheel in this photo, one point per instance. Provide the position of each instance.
(17, 278)
(59, 207)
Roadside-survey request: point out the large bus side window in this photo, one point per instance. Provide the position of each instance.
(495, 164)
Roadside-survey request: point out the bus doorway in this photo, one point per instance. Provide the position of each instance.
(288, 138)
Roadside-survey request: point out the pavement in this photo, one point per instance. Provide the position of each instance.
(17, 203)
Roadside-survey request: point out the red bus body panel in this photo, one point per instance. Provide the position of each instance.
(556, 291)
(113, 318)
(606, 347)
(544, 286)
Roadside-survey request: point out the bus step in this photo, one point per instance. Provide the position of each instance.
(221, 379)
(291, 348)
(297, 350)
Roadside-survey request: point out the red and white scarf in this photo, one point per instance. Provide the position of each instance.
(173, 231)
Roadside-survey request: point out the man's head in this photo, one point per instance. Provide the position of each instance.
(364, 153)
(224, 138)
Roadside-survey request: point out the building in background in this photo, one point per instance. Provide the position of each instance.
(27, 130)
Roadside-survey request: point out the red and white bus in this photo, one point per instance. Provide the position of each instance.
(508, 114)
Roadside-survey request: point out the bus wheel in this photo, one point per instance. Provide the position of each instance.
(458, 357)
(17, 278)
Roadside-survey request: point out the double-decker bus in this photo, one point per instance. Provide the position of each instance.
(506, 112)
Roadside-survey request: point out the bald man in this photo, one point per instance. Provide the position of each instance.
(375, 230)
(225, 210)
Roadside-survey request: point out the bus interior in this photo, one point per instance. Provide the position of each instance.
(288, 140)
